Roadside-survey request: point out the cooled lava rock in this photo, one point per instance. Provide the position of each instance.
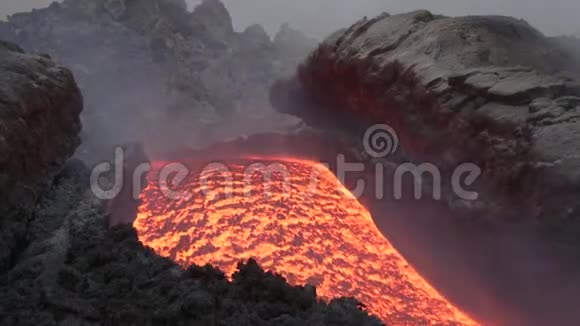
(488, 90)
(39, 117)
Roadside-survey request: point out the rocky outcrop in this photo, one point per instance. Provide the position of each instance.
(488, 90)
(215, 18)
(151, 71)
(39, 126)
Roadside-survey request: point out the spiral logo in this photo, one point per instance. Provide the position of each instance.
(380, 141)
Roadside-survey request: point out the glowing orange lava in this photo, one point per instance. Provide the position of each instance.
(309, 229)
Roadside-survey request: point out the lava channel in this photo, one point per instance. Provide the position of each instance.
(302, 224)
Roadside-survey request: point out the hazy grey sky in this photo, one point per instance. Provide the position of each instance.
(320, 17)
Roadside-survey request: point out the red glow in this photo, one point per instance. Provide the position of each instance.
(320, 235)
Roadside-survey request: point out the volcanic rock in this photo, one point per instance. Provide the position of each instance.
(40, 106)
(255, 36)
(213, 15)
(488, 90)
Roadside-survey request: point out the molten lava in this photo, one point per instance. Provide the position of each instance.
(302, 224)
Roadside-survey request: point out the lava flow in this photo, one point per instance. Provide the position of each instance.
(302, 224)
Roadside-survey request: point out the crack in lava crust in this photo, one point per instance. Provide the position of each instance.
(320, 235)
